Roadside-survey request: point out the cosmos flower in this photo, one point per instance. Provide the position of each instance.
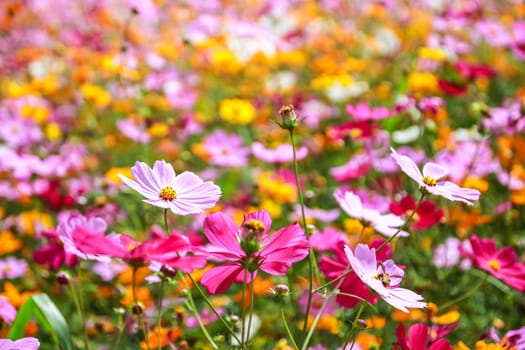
(384, 278)
(282, 154)
(502, 264)
(226, 150)
(427, 215)
(418, 338)
(183, 194)
(386, 224)
(248, 248)
(428, 180)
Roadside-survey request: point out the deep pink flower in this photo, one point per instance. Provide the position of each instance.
(169, 250)
(29, 343)
(427, 215)
(386, 224)
(418, 338)
(53, 254)
(248, 248)
(502, 264)
(384, 278)
(428, 181)
(362, 111)
(352, 289)
(183, 194)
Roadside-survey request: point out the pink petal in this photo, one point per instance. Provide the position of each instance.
(164, 173)
(434, 171)
(97, 244)
(220, 278)
(408, 166)
(221, 231)
(350, 203)
(262, 216)
(418, 336)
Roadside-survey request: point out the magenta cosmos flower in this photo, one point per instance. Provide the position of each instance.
(419, 337)
(428, 181)
(501, 264)
(386, 224)
(384, 278)
(20, 344)
(183, 194)
(248, 248)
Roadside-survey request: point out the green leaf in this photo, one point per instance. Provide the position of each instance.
(43, 308)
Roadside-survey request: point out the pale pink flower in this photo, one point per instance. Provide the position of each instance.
(183, 194)
(428, 180)
(28, 343)
(384, 278)
(226, 149)
(282, 154)
(386, 224)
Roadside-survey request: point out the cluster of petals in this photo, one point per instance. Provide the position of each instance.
(169, 250)
(28, 343)
(418, 338)
(183, 194)
(386, 224)
(364, 263)
(429, 180)
(502, 264)
(271, 253)
(281, 154)
(362, 111)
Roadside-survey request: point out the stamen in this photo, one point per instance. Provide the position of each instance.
(494, 264)
(254, 227)
(429, 181)
(168, 194)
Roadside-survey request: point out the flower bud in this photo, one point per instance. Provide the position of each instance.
(137, 309)
(168, 271)
(63, 278)
(282, 289)
(288, 117)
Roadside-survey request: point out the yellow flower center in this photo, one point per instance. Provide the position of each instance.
(168, 194)
(384, 278)
(254, 227)
(429, 181)
(494, 264)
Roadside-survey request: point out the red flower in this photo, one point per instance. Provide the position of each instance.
(427, 215)
(501, 264)
(54, 254)
(418, 339)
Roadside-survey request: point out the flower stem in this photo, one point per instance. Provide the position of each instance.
(166, 226)
(243, 309)
(408, 220)
(311, 261)
(252, 296)
(466, 295)
(283, 317)
(212, 308)
(140, 312)
(354, 325)
(80, 309)
(159, 312)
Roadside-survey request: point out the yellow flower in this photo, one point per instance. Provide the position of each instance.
(237, 111)
(225, 61)
(96, 95)
(9, 242)
(423, 82)
(53, 132)
(33, 221)
(432, 53)
(112, 177)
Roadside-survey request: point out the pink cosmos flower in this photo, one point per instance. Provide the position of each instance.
(7, 311)
(386, 224)
(428, 181)
(418, 338)
(226, 149)
(502, 264)
(183, 194)
(384, 278)
(352, 290)
(362, 111)
(248, 248)
(282, 154)
(28, 343)
(169, 250)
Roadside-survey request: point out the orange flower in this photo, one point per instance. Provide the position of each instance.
(161, 338)
(9, 242)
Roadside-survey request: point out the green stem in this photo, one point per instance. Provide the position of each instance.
(166, 226)
(408, 220)
(159, 312)
(283, 317)
(213, 309)
(354, 325)
(80, 309)
(195, 312)
(252, 297)
(311, 256)
(140, 312)
(466, 295)
(243, 309)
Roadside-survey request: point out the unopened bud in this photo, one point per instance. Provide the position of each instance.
(234, 319)
(288, 117)
(63, 278)
(362, 323)
(168, 271)
(282, 289)
(137, 309)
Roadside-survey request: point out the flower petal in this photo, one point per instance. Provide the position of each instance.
(434, 171)
(408, 166)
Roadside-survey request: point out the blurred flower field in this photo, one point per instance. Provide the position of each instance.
(262, 174)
